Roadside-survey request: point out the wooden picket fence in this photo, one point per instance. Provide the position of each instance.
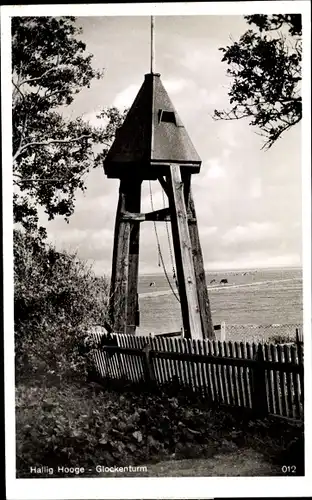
(265, 378)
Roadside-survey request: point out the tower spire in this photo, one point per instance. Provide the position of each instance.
(152, 44)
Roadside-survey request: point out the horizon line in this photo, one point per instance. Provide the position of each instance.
(211, 271)
(237, 269)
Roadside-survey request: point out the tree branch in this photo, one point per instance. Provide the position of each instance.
(23, 132)
(18, 89)
(227, 115)
(47, 143)
(33, 179)
(271, 140)
(36, 78)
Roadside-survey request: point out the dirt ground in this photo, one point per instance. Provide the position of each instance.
(245, 462)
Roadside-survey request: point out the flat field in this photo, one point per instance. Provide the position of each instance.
(260, 297)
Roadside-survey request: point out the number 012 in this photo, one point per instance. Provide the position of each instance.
(289, 468)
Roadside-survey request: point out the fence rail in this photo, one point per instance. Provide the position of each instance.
(266, 378)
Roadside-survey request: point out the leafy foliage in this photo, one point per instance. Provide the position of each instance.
(282, 339)
(265, 67)
(76, 425)
(51, 153)
(57, 298)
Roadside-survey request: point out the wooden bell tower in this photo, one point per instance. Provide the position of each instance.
(152, 144)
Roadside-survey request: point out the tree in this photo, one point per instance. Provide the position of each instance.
(51, 153)
(265, 66)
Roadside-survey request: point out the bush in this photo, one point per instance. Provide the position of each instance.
(57, 297)
(281, 339)
(76, 425)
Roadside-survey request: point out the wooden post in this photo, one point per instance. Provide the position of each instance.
(202, 290)
(123, 291)
(299, 336)
(184, 257)
(133, 204)
(148, 364)
(299, 344)
(258, 385)
(119, 278)
(223, 335)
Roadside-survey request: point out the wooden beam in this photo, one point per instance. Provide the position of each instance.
(184, 258)
(133, 203)
(186, 179)
(119, 279)
(161, 215)
(164, 185)
(123, 307)
(169, 334)
(201, 285)
(156, 215)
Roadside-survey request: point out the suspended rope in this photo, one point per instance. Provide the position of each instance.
(160, 256)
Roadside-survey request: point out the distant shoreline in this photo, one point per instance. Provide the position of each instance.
(229, 271)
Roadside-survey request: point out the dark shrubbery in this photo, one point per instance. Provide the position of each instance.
(57, 298)
(281, 339)
(80, 425)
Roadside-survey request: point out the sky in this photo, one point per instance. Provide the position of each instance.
(248, 201)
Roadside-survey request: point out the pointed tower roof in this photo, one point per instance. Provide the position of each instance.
(151, 137)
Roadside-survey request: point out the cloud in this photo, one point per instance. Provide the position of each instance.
(208, 231)
(212, 98)
(101, 266)
(196, 60)
(246, 200)
(125, 98)
(254, 261)
(102, 238)
(159, 199)
(256, 188)
(174, 86)
(254, 231)
(93, 120)
(215, 171)
(67, 238)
